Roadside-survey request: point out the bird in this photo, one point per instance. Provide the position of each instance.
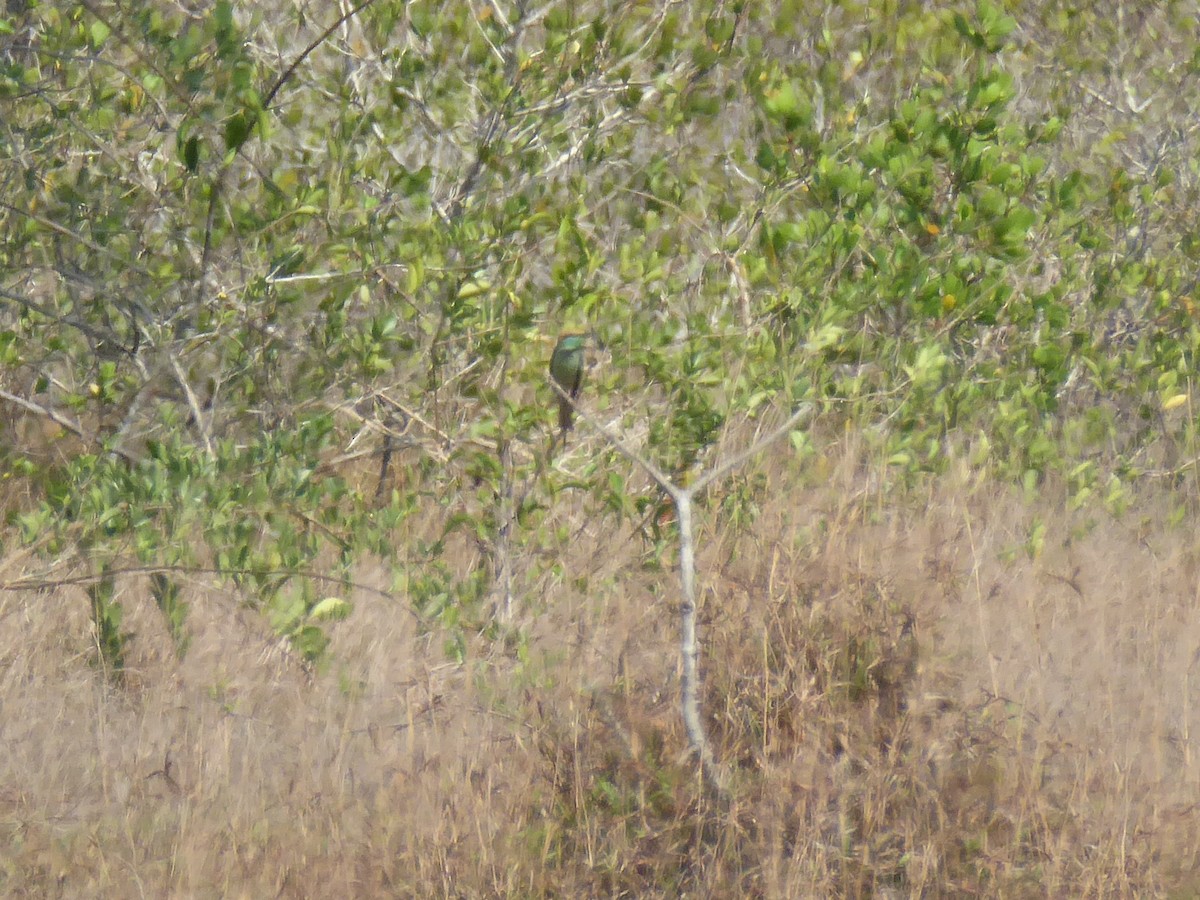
(566, 368)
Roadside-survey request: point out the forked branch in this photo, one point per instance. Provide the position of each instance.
(689, 648)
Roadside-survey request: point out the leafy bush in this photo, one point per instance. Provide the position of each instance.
(246, 250)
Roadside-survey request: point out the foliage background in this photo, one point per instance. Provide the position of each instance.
(277, 294)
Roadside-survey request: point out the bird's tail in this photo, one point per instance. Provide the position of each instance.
(565, 417)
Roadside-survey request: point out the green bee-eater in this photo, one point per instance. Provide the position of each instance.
(566, 367)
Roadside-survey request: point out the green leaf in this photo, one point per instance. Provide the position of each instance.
(788, 104)
(190, 154)
(720, 28)
(98, 32)
(330, 609)
(311, 641)
(238, 128)
(1014, 227)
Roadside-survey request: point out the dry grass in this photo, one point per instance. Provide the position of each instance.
(914, 704)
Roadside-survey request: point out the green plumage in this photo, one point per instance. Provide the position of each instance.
(566, 367)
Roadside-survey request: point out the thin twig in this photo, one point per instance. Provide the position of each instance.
(194, 406)
(58, 418)
(804, 412)
(663, 480)
(39, 584)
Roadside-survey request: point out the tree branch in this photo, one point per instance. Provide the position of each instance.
(713, 771)
(58, 418)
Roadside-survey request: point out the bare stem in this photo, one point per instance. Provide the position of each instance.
(714, 773)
